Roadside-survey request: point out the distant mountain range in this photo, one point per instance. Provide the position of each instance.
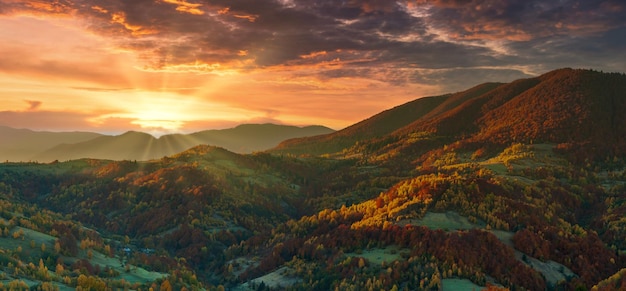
(28, 145)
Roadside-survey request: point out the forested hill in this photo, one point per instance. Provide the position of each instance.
(378, 125)
(578, 109)
(517, 186)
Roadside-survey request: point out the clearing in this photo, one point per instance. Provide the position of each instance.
(378, 256)
(459, 284)
(448, 221)
(276, 280)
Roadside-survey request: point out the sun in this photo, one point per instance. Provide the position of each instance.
(165, 119)
(157, 113)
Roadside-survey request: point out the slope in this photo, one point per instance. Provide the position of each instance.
(376, 126)
(459, 118)
(578, 107)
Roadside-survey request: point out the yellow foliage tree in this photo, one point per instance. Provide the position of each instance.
(166, 286)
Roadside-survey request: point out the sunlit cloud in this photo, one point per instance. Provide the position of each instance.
(196, 68)
(137, 30)
(186, 7)
(172, 65)
(99, 9)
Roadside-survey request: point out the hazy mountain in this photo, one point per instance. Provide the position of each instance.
(22, 144)
(247, 138)
(141, 146)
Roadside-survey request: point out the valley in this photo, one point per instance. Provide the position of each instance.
(516, 186)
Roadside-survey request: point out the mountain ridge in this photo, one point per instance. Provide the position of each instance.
(20, 144)
(573, 107)
(375, 126)
(135, 145)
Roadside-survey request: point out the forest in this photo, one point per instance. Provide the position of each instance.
(444, 192)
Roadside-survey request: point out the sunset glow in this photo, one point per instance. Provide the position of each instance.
(177, 66)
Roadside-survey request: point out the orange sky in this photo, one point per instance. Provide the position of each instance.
(179, 66)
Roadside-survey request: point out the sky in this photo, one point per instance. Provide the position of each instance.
(163, 66)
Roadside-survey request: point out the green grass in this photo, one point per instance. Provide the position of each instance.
(377, 256)
(135, 274)
(277, 279)
(459, 284)
(449, 221)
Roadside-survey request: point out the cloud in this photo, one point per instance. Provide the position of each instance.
(33, 105)
(423, 34)
(186, 7)
(300, 57)
(70, 121)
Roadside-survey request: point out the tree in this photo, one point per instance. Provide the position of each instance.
(59, 269)
(166, 286)
(361, 262)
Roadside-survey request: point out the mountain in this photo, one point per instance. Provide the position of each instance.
(248, 138)
(488, 188)
(20, 144)
(578, 109)
(245, 138)
(566, 106)
(378, 125)
(131, 145)
(383, 124)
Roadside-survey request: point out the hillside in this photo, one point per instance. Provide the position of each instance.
(577, 109)
(246, 138)
(376, 126)
(424, 203)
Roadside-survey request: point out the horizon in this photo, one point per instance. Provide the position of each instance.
(185, 66)
(159, 134)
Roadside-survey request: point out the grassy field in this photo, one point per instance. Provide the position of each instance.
(449, 221)
(134, 275)
(378, 256)
(459, 284)
(277, 279)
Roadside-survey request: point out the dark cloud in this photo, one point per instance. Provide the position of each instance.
(519, 19)
(471, 75)
(391, 35)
